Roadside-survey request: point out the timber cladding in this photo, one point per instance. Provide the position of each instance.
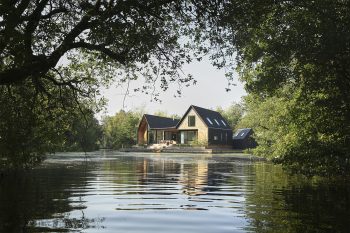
(219, 137)
(199, 125)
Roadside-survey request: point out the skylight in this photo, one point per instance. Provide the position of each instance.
(237, 133)
(217, 122)
(209, 121)
(223, 122)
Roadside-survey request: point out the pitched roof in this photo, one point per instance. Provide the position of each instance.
(242, 133)
(211, 119)
(157, 122)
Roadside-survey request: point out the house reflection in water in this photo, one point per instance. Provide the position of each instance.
(194, 177)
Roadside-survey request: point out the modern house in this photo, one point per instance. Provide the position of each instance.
(155, 129)
(198, 126)
(243, 139)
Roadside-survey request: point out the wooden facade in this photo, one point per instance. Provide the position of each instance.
(198, 126)
(151, 132)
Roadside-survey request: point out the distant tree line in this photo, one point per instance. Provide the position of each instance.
(120, 130)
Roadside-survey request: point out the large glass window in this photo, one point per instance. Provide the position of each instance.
(167, 135)
(188, 137)
(191, 135)
(191, 121)
(159, 135)
(151, 137)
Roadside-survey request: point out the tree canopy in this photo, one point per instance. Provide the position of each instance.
(294, 59)
(33, 124)
(120, 130)
(55, 55)
(152, 39)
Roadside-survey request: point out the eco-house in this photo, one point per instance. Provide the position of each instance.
(198, 126)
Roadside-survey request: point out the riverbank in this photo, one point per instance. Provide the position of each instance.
(239, 154)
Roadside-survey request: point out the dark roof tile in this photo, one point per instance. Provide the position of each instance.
(242, 133)
(157, 122)
(211, 118)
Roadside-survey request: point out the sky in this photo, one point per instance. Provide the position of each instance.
(209, 92)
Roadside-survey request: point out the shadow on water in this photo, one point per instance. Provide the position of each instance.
(28, 197)
(168, 193)
(276, 202)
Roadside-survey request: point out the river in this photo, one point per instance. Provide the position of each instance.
(125, 192)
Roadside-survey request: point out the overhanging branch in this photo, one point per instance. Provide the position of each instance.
(120, 57)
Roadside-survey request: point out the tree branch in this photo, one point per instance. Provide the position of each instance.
(11, 22)
(120, 57)
(33, 22)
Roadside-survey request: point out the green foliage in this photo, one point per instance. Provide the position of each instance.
(27, 128)
(161, 113)
(269, 119)
(120, 130)
(56, 54)
(292, 56)
(298, 134)
(84, 133)
(33, 124)
(165, 114)
(197, 142)
(126, 40)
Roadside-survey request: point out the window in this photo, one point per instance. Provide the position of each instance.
(188, 137)
(167, 135)
(191, 135)
(209, 121)
(217, 122)
(159, 135)
(191, 121)
(216, 138)
(223, 122)
(151, 137)
(237, 133)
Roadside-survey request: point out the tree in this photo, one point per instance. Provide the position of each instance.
(302, 46)
(161, 113)
(33, 124)
(299, 135)
(115, 36)
(55, 54)
(120, 130)
(84, 132)
(269, 117)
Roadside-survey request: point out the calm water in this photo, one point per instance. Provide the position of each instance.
(117, 192)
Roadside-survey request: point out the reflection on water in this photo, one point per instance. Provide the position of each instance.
(167, 193)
